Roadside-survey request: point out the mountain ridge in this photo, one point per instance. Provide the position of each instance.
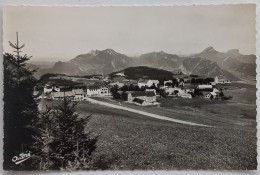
(107, 61)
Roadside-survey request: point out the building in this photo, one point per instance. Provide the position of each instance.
(148, 83)
(181, 84)
(221, 80)
(166, 83)
(97, 91)
(79, 94)
(117, 84)
(173, 91)
(56, 88)
(93, 91)
(104, 91)
(185, 95)
(210, 95)
(177, 72)
(205, 87)
(98, 77)
(139, 102)
(142, 83)
(150, 90)
(60, 95)
(47, 88)
(149, 97)
(120, 74)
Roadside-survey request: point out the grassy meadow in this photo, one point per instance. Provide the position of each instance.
(132, 141)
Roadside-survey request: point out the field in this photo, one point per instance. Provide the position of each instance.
(132, 141)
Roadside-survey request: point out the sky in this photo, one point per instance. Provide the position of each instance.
(62, 33)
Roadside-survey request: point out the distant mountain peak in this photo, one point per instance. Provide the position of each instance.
(109, 51)
(233, 51)
(209, 49)
(94, 52)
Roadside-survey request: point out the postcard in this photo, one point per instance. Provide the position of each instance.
(130, 87)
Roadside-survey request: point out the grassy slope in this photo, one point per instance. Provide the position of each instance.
(132, 141)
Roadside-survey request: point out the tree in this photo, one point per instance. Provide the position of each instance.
(176, 92)
(136, 88)
(114, 92)
(20, 109)
(63, 142)
(125, 88)
(162, 93)
(168, 84)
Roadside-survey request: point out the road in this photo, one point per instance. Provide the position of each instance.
(145, 113)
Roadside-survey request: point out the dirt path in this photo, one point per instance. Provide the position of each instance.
(145, 113)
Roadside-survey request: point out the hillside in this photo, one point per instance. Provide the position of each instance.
(233, 61)
(138, 72)
(204, 67)
(95, 62)
(160, 60)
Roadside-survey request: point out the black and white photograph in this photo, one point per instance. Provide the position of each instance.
(129, 87)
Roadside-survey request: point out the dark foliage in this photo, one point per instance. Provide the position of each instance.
(114, 92)
(162, 93)
(58, 82)
(20, 109)
(136, 73)
(202, 80)
(63, 142)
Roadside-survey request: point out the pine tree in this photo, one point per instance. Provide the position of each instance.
(20, 109)
(63, 142)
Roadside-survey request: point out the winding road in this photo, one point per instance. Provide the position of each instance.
(145, 113)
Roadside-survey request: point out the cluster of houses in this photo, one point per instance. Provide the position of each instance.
(209, 92)
(145, 97)
(76, 94)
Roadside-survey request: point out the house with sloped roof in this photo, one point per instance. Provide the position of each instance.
(79, 94)
(139, 102)
(60, 95)
(221, 80)
(209, 95)
(149, 97)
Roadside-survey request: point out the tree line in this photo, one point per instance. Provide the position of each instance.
(55, 138)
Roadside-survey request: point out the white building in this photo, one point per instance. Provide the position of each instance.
(210, 95)
(221, 80)
(97, 91)
(56, 88)
(174, 91)
(120, 74)
(148, 83)
(104, 91)
(47, 88)
(204, 86)
(93, 91)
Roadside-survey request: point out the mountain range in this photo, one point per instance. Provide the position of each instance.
(232, 64)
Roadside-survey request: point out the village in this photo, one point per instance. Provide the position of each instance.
(142, 92)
